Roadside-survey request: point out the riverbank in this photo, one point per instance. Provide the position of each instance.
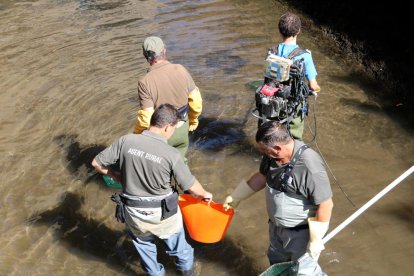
(375, 37)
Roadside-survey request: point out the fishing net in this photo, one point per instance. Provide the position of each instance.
(255, 84)
(111, 182)
(282, 269)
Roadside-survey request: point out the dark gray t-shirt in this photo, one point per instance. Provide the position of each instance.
(309, 175)
(147, 164)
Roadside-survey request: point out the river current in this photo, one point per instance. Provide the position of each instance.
(68, 86)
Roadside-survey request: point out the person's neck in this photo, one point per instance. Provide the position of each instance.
(156, 130)
(158, 62)
(290, 40)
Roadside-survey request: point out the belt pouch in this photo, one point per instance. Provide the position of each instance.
(183, 112)
(119, 210)
(169, 206)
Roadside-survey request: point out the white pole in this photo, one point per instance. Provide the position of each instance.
(367, 205)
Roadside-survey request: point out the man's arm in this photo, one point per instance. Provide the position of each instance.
(244, 190)
(197, 190)
(195, 103)
(143, 119)
(146, 107)
(314, 86)
(257, 181)
(324, 211)
(106, 170)
(318, 226)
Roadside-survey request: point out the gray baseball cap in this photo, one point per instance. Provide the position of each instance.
(153, 43)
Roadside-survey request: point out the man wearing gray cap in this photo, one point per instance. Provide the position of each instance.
(170, 83)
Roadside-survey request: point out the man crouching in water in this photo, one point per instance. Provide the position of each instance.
(149, 202)
(298, 197)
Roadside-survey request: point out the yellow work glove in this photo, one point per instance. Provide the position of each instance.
(316, 90)
(143, 120)
(193, 125)
(317, 231)
(241, 192)
(195, 103)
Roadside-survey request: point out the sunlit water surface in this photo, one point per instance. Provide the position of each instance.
(68, 75)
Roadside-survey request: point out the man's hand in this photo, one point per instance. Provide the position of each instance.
(229, 202)
(242, 191)
(207, 197)
(317, 229)
(193, 125)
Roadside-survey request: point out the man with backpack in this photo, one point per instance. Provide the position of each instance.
(294, 92)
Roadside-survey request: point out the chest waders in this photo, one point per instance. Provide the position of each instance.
(286, 206)
(285, 178)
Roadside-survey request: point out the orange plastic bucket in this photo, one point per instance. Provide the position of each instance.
(206, 223)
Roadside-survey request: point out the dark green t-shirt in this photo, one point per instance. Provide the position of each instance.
(147, 164)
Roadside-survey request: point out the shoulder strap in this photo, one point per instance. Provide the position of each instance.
(274, 50)
(285, 177)
(298, 154)
(296, 52)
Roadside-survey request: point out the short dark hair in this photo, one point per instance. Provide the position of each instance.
(289, 24)
(164, 115)
(272, 133)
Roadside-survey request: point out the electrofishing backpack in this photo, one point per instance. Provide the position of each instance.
(283, 96)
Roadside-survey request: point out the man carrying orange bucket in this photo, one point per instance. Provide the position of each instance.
(298, 197)
(149, 204)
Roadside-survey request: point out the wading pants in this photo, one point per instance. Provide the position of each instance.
(289, 245)
(175, 246)
(180, 140)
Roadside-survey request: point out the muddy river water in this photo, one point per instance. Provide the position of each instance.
(68, 80)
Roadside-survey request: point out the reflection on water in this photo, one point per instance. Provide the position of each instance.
(68, 74)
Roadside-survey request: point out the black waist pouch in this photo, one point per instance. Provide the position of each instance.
(119, 210)
(183, 112)
(169, 206)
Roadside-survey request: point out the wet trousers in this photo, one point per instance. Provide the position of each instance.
(296, 128)
(175, 246)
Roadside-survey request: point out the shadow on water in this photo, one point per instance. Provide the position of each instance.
(404, 212)
(95, 240)
(78, 158)
(226, 252)
(92, 238)
(378, 103)
(214, 135)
